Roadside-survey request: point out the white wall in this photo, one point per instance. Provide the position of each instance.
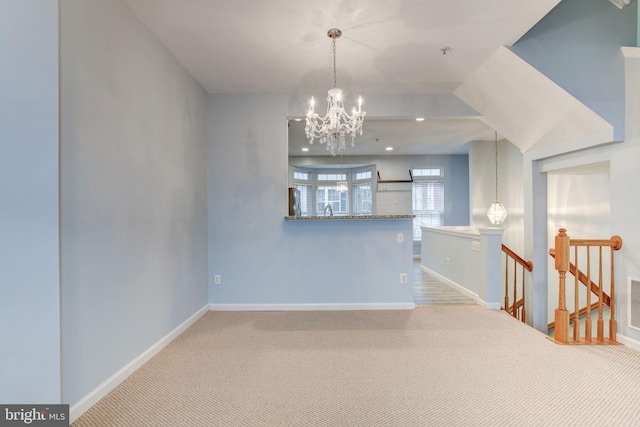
(133, 192)
(29, 277)
(625, 201)
(581, 204)
(482, 176)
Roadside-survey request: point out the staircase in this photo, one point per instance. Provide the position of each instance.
(514, 280)
(568, 254)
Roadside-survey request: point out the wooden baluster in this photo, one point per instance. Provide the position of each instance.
(515, 291)
(587, 322)
(562, 265)
(612, 304)
(600, 319)
(524, 306)
(506, 283)
(576, 299)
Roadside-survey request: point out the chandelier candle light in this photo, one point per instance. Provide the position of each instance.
(332, 129)
(497, 213)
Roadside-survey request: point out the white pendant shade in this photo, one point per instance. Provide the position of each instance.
(497, 213)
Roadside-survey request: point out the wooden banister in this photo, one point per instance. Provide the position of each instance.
(526, 264)
(585, 281)
(517, 309)
(562, 254)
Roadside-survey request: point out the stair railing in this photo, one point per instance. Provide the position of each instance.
(518, 308)
(562, 254)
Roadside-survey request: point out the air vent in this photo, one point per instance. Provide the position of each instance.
(634, 303)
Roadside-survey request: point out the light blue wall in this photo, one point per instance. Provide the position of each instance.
(577, 45)
(29, 277)
(261, 258)
(457, 192)
(133, 192)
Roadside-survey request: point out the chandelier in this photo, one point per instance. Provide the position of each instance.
(332, 129)
(497, 213)
(342, 186)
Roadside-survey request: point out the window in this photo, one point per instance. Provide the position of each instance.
(328, 196)
(300, 176)
(305, 199)
(362, 199)
(427, 172)
(317, 186)
(363, 175)
(332, 176)
(427, 199)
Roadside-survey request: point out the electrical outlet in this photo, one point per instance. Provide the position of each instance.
(400, 237)
(216, 279)
(404, 277)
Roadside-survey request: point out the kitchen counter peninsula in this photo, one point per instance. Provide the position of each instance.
(347, 217)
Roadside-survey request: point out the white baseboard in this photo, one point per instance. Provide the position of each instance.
(99, 392)
(629, 342)
(313, 307)
(467, 292)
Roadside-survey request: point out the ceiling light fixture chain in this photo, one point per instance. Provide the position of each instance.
(332, 129)
(334, 33)
(496, 149)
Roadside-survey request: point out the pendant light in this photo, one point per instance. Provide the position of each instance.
(496, 213)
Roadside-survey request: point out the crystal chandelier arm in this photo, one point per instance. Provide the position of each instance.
(337, 123)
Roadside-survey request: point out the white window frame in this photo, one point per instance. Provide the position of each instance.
(332, 175)
(427, 217)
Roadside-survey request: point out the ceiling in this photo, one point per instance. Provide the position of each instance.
(387, 46)
(405, 136)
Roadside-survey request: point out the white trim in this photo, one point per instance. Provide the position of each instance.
(630, 52)
(629, 342)
(313, 307)
(467, 292)
(630, 281)
(460, 231)
(99, 392)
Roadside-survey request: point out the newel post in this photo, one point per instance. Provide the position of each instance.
(562, 243)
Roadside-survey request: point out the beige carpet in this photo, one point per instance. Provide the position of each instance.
(430, 290)
(434, 366)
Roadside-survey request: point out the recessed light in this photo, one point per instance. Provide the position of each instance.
(389, 148)
(419, 119)
(298, 119)
(305, 148)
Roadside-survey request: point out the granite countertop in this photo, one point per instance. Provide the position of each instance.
(349, 217)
